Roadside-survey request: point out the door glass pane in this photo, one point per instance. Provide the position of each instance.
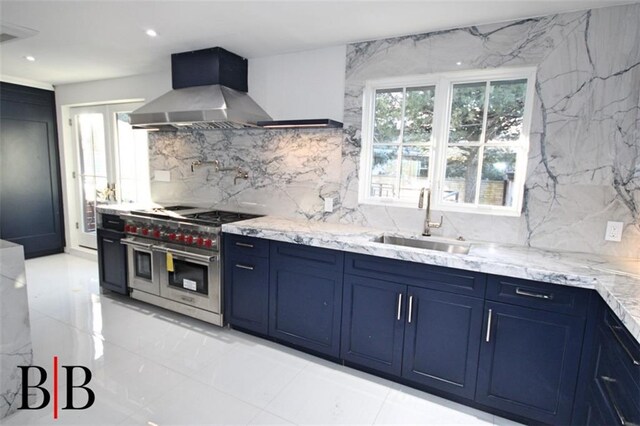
(133, 161)
(93, 166)
(143, 264)
(498, 172)
(384, 175)
(506, 109)
(418, 115)
(189, 276)
(388, 116)
(467, 110)
(414, 172)
(461, 175)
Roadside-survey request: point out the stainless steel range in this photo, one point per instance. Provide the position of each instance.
(174, 258)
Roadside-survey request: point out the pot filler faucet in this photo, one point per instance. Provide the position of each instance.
(427, 220)
(240, 173)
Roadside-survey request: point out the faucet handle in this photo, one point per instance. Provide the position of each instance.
(436, 224)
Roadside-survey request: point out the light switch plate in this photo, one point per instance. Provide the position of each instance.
(614, 231)
(162, 175)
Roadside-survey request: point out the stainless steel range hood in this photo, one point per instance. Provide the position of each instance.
(210, 88)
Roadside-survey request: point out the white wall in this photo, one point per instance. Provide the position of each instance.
(299, 85)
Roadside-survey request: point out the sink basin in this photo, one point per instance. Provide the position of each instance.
(449, 247)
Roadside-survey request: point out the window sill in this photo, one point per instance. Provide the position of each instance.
(441, 208)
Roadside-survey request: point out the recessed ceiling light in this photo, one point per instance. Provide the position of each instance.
(458, 63)
(151, 33)
(30, 58)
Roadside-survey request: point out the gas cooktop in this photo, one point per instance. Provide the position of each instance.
(195, 215)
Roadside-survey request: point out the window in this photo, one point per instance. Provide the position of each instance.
(464, 134)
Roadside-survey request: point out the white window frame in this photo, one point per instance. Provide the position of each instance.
(443, 83)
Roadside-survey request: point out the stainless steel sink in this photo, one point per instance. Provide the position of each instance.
(455, 248)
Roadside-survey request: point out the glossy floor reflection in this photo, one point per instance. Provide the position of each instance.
(153, 367)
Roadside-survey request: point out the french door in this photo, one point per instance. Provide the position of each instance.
(112, 163)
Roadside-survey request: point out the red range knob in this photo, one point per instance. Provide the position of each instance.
(134, 229)
(200, 241)
(127, 228)
(172, 236)
(189, 239)
(156, 233)
(208, 242)
(145, 231)
(180, 237)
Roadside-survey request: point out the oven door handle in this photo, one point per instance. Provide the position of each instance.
(186, 254)
(134, 243)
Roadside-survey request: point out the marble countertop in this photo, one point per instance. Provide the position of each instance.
(617, 280)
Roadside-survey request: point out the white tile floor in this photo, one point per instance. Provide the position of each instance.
(152, 367)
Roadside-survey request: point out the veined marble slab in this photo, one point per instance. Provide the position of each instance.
(617, 280)
(15, 329)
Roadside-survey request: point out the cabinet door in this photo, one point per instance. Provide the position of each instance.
(247, 292)
(442, 340)
(112, 261)
(529, 362)
(305, 296)
(373, 323)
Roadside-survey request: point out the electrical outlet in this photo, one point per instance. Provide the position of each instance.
(614, 231)
(328, 204)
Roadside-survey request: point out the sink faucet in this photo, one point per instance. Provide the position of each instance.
(427, 220)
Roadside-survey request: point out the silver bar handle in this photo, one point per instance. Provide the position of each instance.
(134, 243)
(114, 222)
(410, 309)
(488, 337)
(185, 254)
(521, 292)
(247, 267)
(106, 240)
(247, 245)
(399, 306)
(607, 387)
(624, 347)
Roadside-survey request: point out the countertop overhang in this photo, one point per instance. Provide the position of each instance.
(617, 280)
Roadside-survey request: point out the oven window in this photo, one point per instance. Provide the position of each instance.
(189, 276)
(143, 264)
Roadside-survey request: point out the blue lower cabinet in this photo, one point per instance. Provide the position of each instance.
(529, 361)
(246, 292)
(442, 340)
(305, 297)
(373, 319)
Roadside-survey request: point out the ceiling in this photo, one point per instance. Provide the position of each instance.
(93, 40)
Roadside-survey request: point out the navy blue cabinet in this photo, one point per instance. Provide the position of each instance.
(614, 385)
(426, 336)
(529, 361)
(246, 283)
(442, 340)
(305, 296)
(112, 261)
(373, 319)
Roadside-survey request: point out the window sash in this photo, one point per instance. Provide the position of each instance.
(439, 145)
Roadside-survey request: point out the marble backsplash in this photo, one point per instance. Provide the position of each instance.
(584, 158)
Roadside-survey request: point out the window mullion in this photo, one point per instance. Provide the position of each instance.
(402, 118)
(482, 142)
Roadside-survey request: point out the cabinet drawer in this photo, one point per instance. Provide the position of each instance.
(533, 294)
(417, 274)
(113, 222)
(622, 345)
(313, 257)
(242, 245)
(614, 383)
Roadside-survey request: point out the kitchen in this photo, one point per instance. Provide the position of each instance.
(315, 189)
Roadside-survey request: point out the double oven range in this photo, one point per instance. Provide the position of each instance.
(174, 258)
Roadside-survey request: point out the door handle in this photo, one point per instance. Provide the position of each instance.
(247, 245)
(521, 292)
(399, 306)
(106, 240)
(608, 381)
(488, 337)
(624, 347)
(410, 309)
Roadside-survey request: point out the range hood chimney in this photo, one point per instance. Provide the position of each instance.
(210, 92)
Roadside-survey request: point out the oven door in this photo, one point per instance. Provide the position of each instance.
(142, 261)
(191, 277)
